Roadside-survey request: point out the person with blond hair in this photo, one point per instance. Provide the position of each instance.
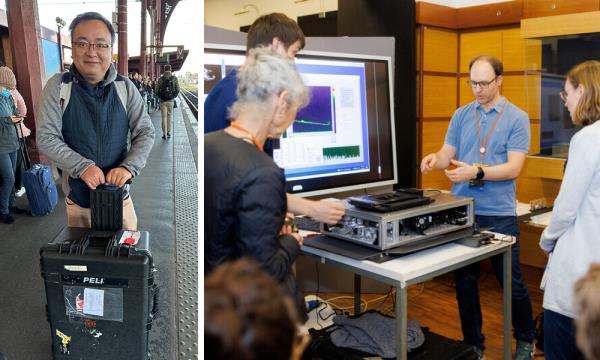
(571, 236)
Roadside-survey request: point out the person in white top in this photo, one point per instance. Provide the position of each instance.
(573, 234)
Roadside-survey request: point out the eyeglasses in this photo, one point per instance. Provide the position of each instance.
(481, 84)
(563, 95)
(84, 45)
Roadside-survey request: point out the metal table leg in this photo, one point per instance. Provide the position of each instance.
(401, 322)
(357, 292)
(507, 297)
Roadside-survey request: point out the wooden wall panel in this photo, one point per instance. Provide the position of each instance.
(509, 12)
(531, 254)
(435, 180)
(524, 92)
(466, 92)
(513, 54)
(531, 188)
(515, 89)
(545, 167)
(581, 23)
(439, 96)
(473, 44)
(533, 54)
(418, 102)
(418, 47)
(440, 49)
(435, 15)
(534, 146)
(434, 133)
(533, 95)
(539, 8)
(540, 178)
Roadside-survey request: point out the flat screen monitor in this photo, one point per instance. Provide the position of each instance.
(344, 138)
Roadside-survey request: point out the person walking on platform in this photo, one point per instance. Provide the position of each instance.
(167, 88)
(572, 235)
(282, 35)
(148, 93)
(100, 132)
(9, 144)
(486, 142)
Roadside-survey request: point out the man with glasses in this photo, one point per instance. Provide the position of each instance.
(486, 142)
(92, 122)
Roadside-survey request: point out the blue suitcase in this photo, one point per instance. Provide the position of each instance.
(40, 189)
(39, 185)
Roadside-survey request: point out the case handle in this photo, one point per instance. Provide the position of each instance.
(155, 300)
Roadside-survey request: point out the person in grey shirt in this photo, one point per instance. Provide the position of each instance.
(92, 124)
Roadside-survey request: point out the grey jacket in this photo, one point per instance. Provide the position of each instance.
(51, 142)
(8, 136)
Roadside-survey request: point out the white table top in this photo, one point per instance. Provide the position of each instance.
(421, 263)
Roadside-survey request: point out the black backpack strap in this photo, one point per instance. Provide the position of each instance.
(65, 90)
(121, 87)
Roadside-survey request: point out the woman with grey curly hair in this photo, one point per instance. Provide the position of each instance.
(244, 190)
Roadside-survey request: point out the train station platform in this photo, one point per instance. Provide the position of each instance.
(166, 201)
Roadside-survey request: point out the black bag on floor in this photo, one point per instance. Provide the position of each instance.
(435, 347)
(100, 292)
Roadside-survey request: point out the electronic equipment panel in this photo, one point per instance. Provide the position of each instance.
(446, 214)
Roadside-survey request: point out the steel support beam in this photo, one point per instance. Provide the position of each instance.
(143, 39)
(122, 67)
(157, 38)
(152, 37)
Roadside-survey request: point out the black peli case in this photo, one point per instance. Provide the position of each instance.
(101, 294)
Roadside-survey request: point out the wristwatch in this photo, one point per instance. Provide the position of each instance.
(480, 173)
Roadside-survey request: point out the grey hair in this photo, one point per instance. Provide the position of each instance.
(266, 74)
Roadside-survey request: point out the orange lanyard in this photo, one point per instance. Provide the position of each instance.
(483, 144)
(252, 136)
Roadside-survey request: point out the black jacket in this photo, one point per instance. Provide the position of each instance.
(244, 207)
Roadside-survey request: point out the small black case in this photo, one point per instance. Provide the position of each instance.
(106, 203)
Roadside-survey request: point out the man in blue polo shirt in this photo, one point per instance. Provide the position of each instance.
(284, 36)
(487, 142)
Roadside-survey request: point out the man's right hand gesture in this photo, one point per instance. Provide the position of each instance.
(428, 163)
